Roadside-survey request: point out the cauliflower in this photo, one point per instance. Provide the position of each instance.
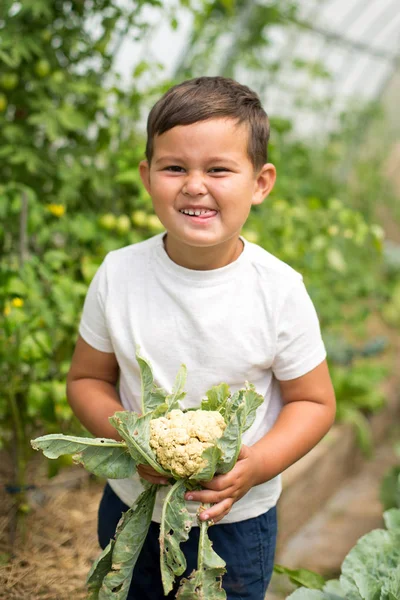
(179, 439)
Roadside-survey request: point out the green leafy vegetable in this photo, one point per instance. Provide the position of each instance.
(370, 571)
(213, 438)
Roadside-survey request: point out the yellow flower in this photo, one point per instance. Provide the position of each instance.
(58, 210)
(7, 310)
(17, 302)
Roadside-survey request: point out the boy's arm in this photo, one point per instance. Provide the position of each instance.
(91, 389)
(308, 413)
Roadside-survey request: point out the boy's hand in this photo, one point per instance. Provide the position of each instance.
(147, 472)
(223, 490)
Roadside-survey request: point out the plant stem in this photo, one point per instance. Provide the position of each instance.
(23, 226)
(203, 532)
(19, 462)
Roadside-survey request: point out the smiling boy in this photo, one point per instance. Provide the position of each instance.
(200, 294)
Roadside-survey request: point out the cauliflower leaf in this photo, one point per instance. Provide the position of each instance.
(174, 529)
(252, 401)
(101, 456)
(135, 431)
(152, 396)
(216, 398)
(205, 583)
(129, 539)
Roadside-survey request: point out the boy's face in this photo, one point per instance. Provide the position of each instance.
(203, 184)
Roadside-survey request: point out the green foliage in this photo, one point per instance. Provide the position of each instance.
(69, 192)
(360, 383)
(318, 238)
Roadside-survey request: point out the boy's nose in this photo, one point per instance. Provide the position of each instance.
(194, 185)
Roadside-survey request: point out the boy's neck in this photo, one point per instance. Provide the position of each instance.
(203, 259)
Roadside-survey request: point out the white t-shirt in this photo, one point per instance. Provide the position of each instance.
(251, 320)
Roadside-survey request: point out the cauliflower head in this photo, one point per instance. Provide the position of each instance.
(179, 439)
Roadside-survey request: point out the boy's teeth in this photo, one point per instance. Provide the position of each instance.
(195, 213)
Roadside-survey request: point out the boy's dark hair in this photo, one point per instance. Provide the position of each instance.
(205, 98)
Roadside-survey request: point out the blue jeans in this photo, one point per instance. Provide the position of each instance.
(248, 548)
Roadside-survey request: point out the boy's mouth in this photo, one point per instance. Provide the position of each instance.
(200, 213)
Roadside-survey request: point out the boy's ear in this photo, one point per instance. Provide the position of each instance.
(264, 183)
(144, 171)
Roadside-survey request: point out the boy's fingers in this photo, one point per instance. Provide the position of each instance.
(208, 496)
(217, 512)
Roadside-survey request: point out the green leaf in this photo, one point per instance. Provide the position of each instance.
(152, 396)
(130, 176)
(206, 582)
(333, 587)
(392, 519)
(147, 380)
(252, 402)
(369, 564)
(129, 539)
(70, 118)
(12, 61)
(174, 529)
(231, 405)
(216, 397)
(135, 431)
(303, 577)
(390, 489)
(101, 456)
(178, 392)
(230, 443)
(241, 410)
(99, 569)
(212, 456)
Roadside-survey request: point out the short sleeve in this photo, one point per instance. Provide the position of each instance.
(299, 347)
(93, 326)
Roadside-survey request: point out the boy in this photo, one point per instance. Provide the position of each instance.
(200, 294)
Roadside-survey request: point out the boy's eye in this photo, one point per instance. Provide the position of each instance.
(219, 170)
(174, 169)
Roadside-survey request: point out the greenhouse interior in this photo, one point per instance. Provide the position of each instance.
(79, 190)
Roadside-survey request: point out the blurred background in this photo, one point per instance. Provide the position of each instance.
(77, 79)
